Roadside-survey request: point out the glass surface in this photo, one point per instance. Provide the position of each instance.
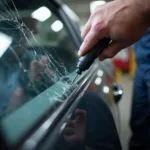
(36, 52)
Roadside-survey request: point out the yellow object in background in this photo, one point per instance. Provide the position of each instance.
(132, 66)
(118, 74)
(132, 63)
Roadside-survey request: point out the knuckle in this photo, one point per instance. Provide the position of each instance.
(85, 43)
(97, 27)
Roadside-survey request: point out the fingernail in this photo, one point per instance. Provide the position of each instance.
(79, 53)
(80, 50)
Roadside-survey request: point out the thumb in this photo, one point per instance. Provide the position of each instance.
(112, 49)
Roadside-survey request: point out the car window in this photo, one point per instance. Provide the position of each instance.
(37, 57)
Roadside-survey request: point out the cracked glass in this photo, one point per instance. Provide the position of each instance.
(37, 54)
(37, 60)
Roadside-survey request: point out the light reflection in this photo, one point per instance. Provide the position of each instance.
(46, 125)
(106, 89)
(100, 73)
(57, 26)
(41, 14)
(70, 13)
(98, 81)
(5, 42)
(63, 127)
(120, 92)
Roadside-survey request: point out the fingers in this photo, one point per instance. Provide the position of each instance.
(70, 139)
(44, 60)
(69, 131)
(90, 40)
(70, 123)
(38, 67)
(92, 37)
(18, 94)
(43, 63)
(34, 65)
(112, 49)
(86, 29)
(80, 115)
(35, 70)
(16, 98)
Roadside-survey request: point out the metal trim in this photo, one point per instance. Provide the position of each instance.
(32, 142)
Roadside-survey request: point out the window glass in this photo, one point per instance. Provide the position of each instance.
(36, 52)
(37, 61)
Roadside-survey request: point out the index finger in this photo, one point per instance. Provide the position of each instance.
(44, 60)
(90, 40)
(86, 29)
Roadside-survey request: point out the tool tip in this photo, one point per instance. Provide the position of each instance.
(74, 78)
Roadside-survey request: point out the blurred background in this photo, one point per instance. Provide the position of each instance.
(124, 64)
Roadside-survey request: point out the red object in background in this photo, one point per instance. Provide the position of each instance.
(122, 60)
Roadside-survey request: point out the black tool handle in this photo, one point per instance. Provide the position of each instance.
(86, 61)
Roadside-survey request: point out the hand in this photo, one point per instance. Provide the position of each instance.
(123, 21)
(74, 133)
(15, 100)
(38, 67)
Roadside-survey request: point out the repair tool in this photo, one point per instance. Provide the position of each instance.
(87, 60)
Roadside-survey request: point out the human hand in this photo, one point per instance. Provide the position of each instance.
(38, 67)
(74, 133)
(123, 21)
(16, 99)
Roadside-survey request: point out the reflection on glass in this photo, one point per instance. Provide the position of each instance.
(106, 89)
(91, 127)
(41, 14)
(6, 41)
(57, 26)
(33, 56)
(98, 81)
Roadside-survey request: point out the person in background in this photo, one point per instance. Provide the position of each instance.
(140, 115)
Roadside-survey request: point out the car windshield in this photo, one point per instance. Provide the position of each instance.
(37, 56)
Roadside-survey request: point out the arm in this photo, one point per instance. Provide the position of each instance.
(123, 21)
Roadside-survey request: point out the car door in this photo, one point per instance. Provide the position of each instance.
(38, 63)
